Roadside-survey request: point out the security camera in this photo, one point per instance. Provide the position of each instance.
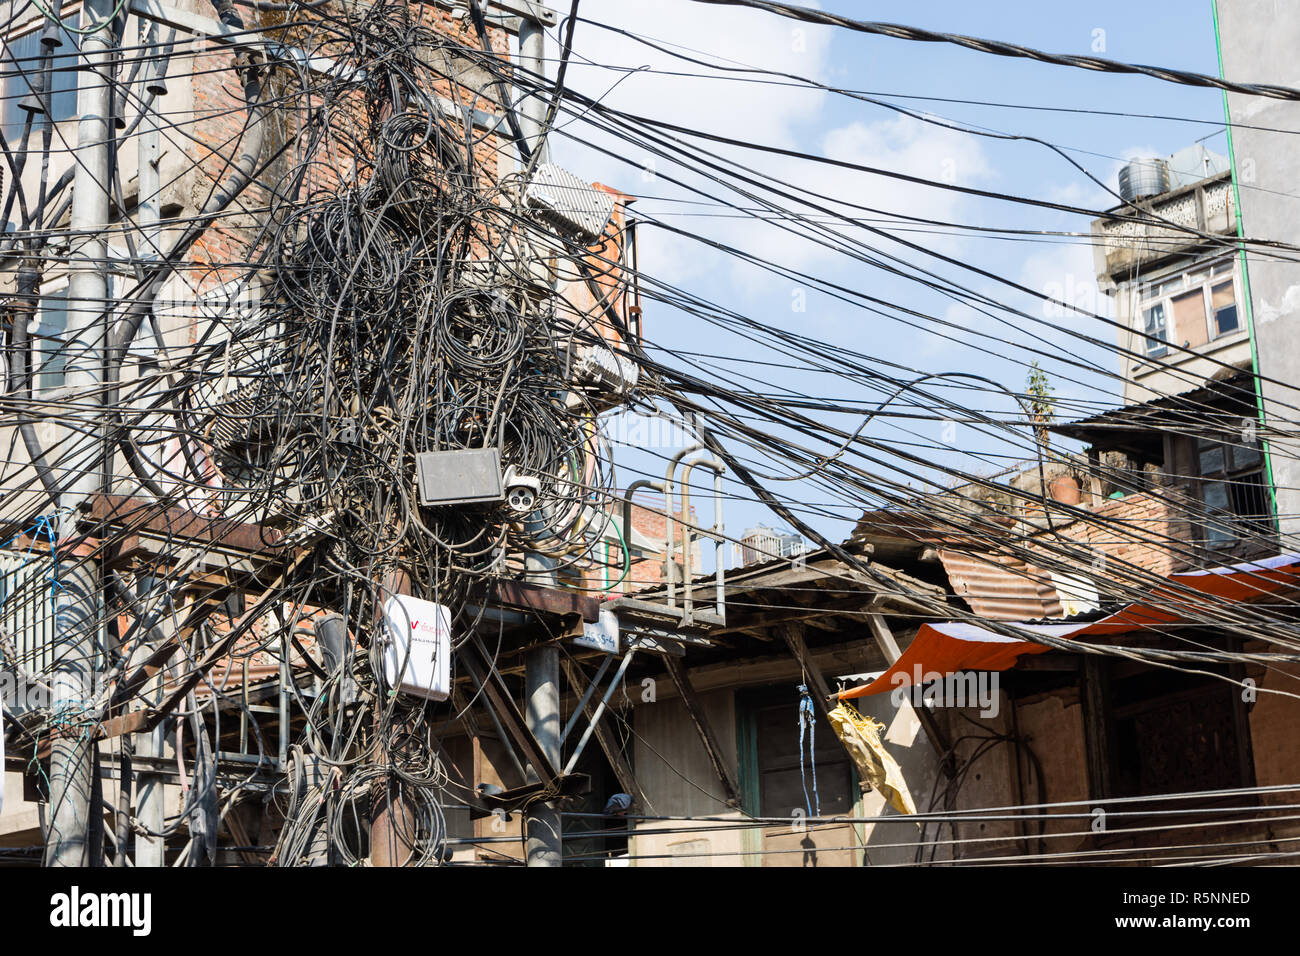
(522, 491)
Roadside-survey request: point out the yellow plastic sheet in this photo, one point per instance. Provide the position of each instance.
(861, 738)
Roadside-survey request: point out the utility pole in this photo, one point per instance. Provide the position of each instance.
(392, 827)
(150, 784)
(150, 850)
(77, 588)
(544, 845)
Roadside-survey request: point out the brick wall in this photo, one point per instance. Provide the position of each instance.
(1140, 534)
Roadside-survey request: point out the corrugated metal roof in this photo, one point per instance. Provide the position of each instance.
(1000, 587)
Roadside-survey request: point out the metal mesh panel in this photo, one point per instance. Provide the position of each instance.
(27, 616)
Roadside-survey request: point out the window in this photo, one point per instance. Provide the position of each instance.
(1189, 318)
(1190, 310)
(1234, 490)
(1154, 322)
(1224, 304)
(49, 345)
(773, 716)
(1174, 733)
(22, 60)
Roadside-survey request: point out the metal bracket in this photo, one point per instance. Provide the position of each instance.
(599, 711)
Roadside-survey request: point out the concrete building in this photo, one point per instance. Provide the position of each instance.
(1256, 44)
(1189, 418)
(763, 543)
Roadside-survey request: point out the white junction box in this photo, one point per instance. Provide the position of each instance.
(417, 651)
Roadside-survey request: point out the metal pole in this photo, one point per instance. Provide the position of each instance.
(151, 850)
(542, 696)
(72, 764)
(532, 57)
(88, 255)
(76, 596)
(542, 665)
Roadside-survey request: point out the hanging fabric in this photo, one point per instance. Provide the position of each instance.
(861, 738)
(808, 722)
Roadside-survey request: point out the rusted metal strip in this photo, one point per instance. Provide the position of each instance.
(181, 523)
(519, 595)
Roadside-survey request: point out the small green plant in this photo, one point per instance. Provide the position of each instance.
(1041, 403)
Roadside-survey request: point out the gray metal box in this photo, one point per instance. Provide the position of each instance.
(460, 476)
(569, 204)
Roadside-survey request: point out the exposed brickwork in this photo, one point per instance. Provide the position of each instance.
(1139, 531)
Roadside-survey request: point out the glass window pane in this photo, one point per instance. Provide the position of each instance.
(21, 62)
(1216, 495)
(1212, 459)
(1245, 456)
(1225, 320)
(1154, 326)
(1218, 530)
(63, 82)
(1224, 303)
(49, 350)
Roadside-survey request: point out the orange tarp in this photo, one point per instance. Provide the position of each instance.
(941, 649)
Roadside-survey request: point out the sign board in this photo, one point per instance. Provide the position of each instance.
(417, 652)
(601, 636)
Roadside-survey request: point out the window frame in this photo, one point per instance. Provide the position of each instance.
(1232, 474)
(70, 19)
(1163, 291)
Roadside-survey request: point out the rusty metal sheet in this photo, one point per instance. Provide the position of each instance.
(1000, 587)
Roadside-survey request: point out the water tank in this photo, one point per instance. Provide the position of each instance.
(1142, 178)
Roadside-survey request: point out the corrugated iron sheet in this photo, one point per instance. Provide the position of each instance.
(1001, 588)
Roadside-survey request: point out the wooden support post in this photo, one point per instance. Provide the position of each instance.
(1095, 688)
(622, 769)
(793, 635)
(391, 842)
(884, 636)
(677, 671)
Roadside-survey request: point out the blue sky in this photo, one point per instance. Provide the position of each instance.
(947, 335)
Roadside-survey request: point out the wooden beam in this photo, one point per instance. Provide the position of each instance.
(677, 671)
(821, 693)
(1095, 687)
(531, 597)
(759, 618)
(622, 769)
(884, 637)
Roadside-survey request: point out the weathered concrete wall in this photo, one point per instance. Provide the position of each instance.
(668, 750)
(1257, 39)
(673, 769)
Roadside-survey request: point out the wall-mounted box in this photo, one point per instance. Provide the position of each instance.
(417, 649)
(459, 476)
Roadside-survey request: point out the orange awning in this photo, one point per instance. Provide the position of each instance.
(942, 649)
